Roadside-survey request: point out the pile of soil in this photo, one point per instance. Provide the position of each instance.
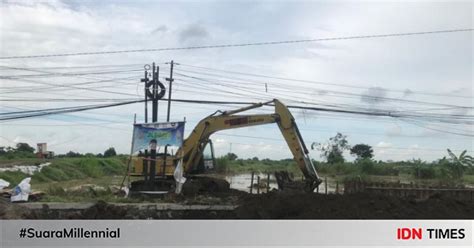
(273, 205)
(10, 210)
(295, 205)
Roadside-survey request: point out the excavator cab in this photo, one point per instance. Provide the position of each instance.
(207, 163)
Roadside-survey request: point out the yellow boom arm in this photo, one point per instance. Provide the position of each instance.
(194, 145)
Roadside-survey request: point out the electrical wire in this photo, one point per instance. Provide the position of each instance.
(265, 43)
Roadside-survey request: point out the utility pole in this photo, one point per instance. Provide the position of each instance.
(170, 79)
(145, 80)
(156, 73)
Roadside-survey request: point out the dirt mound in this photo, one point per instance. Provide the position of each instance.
(294, 205)
(205, 185)
(273, 205)
(102, 210)
(10, 210)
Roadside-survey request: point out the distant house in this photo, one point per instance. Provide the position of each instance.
(42, 151)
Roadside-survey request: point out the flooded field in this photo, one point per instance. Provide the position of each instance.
(243, 181)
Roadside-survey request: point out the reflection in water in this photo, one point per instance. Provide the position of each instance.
(242, 182)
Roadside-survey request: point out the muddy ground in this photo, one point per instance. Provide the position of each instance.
(281, 205)
(274, 205)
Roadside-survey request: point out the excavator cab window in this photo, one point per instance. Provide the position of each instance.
(208, 156)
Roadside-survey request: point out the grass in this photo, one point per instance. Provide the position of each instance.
(57, 179)
(64, 174)
(65, 169)
(5, 162)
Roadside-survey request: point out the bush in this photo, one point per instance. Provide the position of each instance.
(222, 164)
(110, 152)
(13, 177)
(366, 166)
(424, 172)
(385, 170)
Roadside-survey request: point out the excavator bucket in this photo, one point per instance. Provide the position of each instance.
(286, 182)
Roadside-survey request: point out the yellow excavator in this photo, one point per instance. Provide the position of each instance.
(194, 163)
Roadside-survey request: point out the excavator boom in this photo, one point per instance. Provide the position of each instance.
(194, 145)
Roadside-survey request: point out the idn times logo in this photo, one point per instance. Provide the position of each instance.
(406, 233)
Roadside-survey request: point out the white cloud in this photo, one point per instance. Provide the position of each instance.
(434, 63)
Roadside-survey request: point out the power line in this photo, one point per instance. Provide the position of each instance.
(240, 44)
(432, 116)
(43, 112)
(59, 74)
(300, 80)
(70, 86)
(76, 67)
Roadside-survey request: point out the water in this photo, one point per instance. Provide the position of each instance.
(242, 182)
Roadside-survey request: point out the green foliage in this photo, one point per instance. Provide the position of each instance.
(13, 177)
(386, 169)
(21, 150)
(362, 151)
(455, 167)
(335, 157)
(110, 152)
(333, 149)
(338, 169)
(263, 166)
(425, 172)
(71, 168)
(463, 159)
(222, 164)
(366, 166)
(24, 147)
(72, 154)
(231, 156)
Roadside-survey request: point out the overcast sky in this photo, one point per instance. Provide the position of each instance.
(435, 69)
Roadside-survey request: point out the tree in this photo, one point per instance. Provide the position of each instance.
(72, 154)
(110, 152)
(24, 147)
(332, 150)
(362, 151)
(457, 164)
(231, 156)
(462, 159)
(335, 157)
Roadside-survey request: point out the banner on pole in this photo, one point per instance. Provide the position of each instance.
(168, 133)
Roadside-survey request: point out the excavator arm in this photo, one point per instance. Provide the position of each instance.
(194, 145)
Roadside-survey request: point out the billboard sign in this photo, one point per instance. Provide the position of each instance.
(168, 133)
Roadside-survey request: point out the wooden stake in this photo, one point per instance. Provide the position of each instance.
(268, 182)
(326, 185)
(251, 183)
(258, 185)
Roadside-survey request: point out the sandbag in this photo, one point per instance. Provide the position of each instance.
(21, 191)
